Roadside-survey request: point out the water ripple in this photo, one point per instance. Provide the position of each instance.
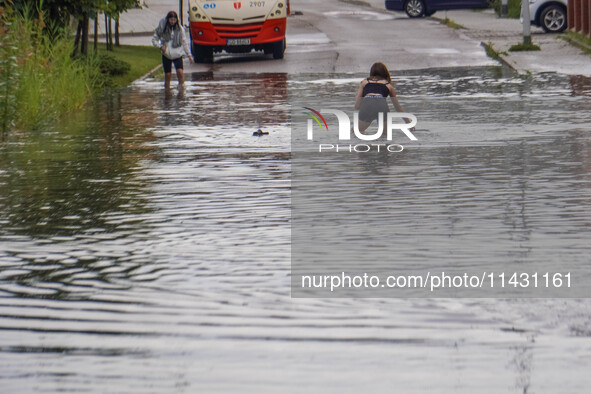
(146, 247)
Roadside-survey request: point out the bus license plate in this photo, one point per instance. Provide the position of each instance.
(238, 41)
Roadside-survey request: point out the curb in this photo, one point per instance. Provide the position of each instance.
(500, 58)
(125, 34)
(357, 2)
(489, 48)
(576, 43)
(148, 74)
(446, 20)
(508, 63)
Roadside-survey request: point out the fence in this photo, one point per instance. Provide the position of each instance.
(579, 16)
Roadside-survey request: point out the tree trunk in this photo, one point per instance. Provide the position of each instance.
(95, 43)
(77, 39)
(110, 34)
(117, 31)
(85, 24)
(107, 31)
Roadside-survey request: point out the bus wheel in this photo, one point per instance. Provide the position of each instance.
(279, 49)
(202, 53)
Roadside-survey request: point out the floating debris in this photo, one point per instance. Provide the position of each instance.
(259, 133)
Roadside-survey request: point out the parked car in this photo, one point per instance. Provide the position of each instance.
(550, 15)
(420, 8)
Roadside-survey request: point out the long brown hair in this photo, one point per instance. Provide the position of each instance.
(170, 15)
(379, 70)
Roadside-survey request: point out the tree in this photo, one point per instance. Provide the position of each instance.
(60, 12)
(114, 10)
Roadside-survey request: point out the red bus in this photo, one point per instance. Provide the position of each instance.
(237, 26)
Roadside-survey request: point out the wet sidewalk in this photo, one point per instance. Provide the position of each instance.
(556, 55)
(137, 25)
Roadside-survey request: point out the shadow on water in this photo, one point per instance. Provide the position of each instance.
(74, 184)
(581, 85)
(66, 181)
(78, 202)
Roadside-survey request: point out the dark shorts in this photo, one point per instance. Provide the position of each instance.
(167, 64)
(371, 107)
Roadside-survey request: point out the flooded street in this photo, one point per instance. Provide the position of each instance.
(498, 180)
(145, 243)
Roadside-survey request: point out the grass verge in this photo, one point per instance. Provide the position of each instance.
(492, 52)
(524, 47)
(142, 60)
(578, 40)
(513, 8)
(449, 23)
(39, 79)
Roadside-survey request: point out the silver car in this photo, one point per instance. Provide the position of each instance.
(550, 15)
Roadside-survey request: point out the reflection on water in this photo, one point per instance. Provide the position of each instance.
(145, 243)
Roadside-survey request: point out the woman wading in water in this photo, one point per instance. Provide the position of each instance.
(372, 94)
(170, 37)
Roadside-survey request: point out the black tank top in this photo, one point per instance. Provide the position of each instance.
(375, 88)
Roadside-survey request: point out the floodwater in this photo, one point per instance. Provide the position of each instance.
(498, 183)
(145, 243)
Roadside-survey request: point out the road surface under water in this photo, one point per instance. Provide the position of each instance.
(145, 243)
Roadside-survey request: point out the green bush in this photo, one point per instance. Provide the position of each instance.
(9, 76)
(39, 79)
(513, 8)
(522, 47)
(112, 66)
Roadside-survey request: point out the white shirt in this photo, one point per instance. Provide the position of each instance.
(173, 53)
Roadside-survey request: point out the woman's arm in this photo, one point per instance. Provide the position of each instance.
(186, 45)
(394, 98)
(397, 103)
(359, 94)
(156, 40)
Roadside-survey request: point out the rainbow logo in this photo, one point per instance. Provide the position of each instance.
(317, 117)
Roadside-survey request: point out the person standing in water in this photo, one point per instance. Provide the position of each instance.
(372, 94)
(170, 37)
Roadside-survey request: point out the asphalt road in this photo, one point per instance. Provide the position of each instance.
(335, 36)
